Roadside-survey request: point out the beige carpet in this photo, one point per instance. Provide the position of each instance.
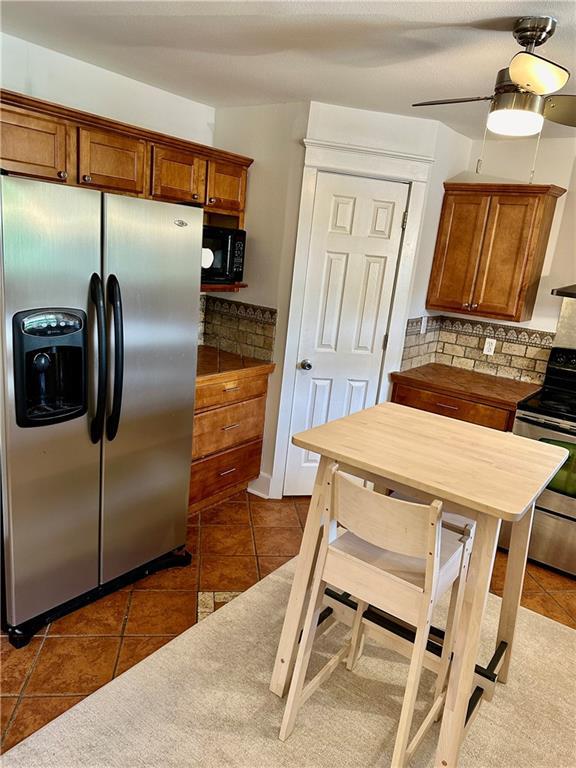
(203, 700)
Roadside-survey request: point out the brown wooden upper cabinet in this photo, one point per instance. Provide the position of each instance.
(490, 249)
(226, 186)
(178, 175)
(34, 146)
(111, 160)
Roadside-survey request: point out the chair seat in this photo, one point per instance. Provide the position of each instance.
(410, 569)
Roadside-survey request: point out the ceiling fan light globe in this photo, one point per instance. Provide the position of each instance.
(536, 74)
(516, 114)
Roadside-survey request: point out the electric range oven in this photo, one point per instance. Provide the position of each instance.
(550, 416)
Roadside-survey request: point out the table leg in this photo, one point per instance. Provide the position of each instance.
(515, 568)
(318, 515)
(467, 641)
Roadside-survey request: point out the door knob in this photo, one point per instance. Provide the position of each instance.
(306, 365)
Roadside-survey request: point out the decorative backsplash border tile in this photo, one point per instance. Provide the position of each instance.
(265, 315)
(246, 329)
(498, 331)
(519, 353)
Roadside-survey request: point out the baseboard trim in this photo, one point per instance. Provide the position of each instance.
(261, 486)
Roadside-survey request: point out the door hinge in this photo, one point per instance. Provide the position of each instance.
(385, 342)
(404, 218)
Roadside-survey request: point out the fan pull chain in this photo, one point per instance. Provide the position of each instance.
(534, 158)
(481, 158)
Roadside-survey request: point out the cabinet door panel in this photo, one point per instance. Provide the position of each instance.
(35, 146)
(178, 175)
(506, 251)
(226, 186)
(111, 160)
(458, 246)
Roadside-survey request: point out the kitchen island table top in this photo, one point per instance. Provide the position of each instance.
(490, 472)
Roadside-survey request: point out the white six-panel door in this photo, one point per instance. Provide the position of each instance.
(354, 249)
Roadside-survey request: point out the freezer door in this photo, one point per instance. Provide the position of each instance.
(153, 251)
(50, 473)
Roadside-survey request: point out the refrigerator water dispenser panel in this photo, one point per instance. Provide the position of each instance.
(50, 366)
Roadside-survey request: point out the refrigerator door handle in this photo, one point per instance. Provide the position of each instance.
(97, 298)
(114, 297)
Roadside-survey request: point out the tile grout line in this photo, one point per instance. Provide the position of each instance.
(122, 631)
(252, 533)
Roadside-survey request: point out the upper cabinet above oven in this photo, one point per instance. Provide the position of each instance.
(52, 142)
(490, 249)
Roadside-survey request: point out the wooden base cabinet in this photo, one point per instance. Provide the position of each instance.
(228, 429)
(490, 249)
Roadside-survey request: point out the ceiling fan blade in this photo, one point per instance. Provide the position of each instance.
(452, 101)
(561, 109)
(538, 75)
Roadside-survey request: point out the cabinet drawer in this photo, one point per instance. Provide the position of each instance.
(229, 391)
(111, 160)
(222, 428)
(216, 473)
(485, 415)
(35, 146)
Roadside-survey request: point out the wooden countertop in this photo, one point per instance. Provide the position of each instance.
(214, 364)
(480, 469)
(469, 385)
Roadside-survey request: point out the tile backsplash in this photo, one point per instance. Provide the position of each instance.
(520, 353)
(246, 329)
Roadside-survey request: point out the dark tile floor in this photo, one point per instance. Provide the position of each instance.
(234, 544)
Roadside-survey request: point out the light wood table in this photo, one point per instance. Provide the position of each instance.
(478, 472)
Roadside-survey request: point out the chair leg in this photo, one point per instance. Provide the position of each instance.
(454, 611)
(302, 660)
(357, 641)
(414, 672)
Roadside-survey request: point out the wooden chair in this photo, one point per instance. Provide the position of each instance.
(396, 556)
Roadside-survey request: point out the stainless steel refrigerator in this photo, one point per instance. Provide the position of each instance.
(100, 299)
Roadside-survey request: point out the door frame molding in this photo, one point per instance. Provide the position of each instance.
(366, 162)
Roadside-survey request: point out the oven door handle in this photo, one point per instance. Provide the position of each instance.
(547, 425)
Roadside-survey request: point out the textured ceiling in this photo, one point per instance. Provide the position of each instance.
(373, 55)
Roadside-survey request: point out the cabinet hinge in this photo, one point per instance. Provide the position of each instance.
(385, 342)
(404, 219)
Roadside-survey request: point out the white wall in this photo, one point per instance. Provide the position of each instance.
(451, 155)
(511, 160)
(271, 134)
(52, 76)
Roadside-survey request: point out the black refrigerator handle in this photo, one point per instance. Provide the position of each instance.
(114, 297)
(97, 298)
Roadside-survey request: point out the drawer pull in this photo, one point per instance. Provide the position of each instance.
(450, 407)
(230, 426)
(227, 472)
(231, 389)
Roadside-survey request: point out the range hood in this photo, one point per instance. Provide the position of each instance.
(569, 291)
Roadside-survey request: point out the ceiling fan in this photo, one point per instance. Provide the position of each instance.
(522, 96)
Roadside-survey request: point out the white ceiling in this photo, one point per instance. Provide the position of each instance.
(373, 55)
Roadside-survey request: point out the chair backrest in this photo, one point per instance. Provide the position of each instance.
(399, 526)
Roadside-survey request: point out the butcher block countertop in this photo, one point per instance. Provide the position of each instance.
(215, 364)
(468, 385)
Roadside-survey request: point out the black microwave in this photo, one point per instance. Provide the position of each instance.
(223, 255)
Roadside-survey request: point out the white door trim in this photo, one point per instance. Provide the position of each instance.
(356, 161)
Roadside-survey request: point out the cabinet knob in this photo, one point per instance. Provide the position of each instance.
(212, 200)
(465, 306)
(87, 179)
(62, 175)
(194, 196)
(474, 306)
